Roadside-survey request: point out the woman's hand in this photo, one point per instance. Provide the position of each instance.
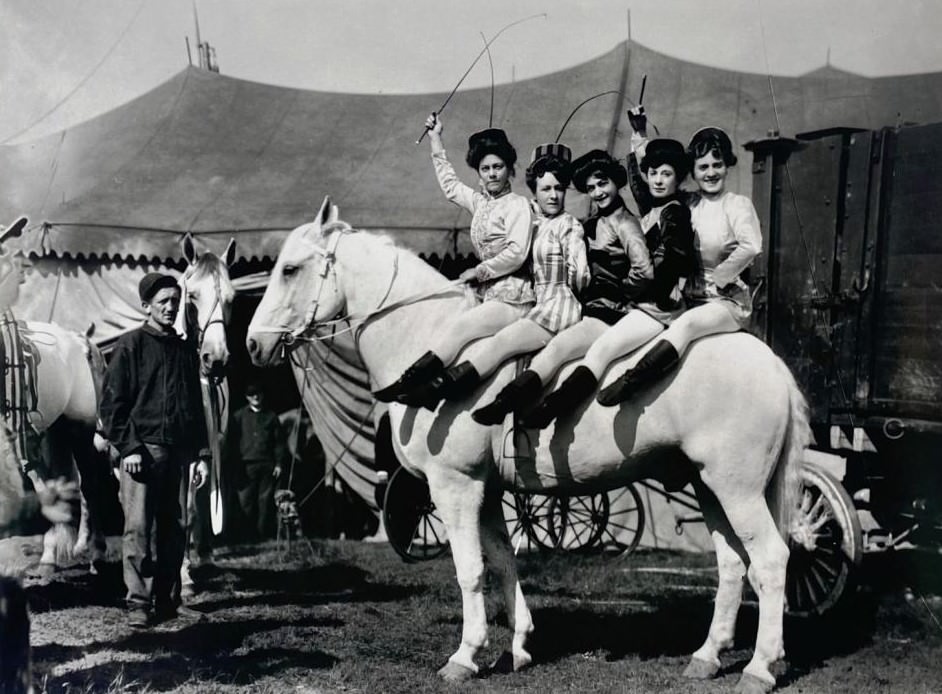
(469, 275)
(638, 120)
(434, 124)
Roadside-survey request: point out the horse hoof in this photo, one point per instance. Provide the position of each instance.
(698, 669)
(454, 672)
(750, 684)
(509, 662)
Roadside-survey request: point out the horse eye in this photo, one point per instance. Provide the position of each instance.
(289, 270)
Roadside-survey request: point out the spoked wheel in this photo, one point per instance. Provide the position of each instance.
(539, 520)
(625, 526)
(414, 529)
(579, 520)
(519, 522)
(826, 545)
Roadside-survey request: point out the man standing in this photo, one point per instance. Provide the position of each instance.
(152, 412)
(256, 438)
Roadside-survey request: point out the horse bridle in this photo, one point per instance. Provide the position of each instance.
(288, 337)
(217, 301)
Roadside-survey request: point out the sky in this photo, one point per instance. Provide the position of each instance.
(64, 61)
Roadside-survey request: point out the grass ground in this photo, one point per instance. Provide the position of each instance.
(352, 617)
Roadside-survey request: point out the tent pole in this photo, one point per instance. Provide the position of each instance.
(620, 101)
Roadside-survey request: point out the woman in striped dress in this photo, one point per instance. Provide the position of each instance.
(560, 272)
(501, 235)
(621, 271)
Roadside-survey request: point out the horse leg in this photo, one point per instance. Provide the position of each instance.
(458, 498)
(731, 562)
(751, 520)
(500, 559)
(99, 492)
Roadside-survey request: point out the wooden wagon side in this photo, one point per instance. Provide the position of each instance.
(849, 293)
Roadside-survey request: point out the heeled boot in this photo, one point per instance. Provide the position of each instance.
(459, 381)
(426, 367)
(656, 362)
(521, 391)
(452, 384)
(580, 385)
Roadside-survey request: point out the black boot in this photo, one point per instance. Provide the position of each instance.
(427, 367)
(658, 360)
(454, 383)
(524, 389)
(580, 385)
(459, 381)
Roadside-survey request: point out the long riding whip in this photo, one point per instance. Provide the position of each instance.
(475, 62)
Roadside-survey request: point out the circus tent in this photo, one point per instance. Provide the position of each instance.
(219, 157)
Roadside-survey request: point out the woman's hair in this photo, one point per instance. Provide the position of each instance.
(545, 165)
(714, 140)
(491, 141)
(597, 162)
(664, 151)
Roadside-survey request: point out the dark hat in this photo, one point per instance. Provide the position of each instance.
(665, 151)
(711, 138)
(552, 149)
(490, 141)
(153, 282)
(597, 161)
(253, 388)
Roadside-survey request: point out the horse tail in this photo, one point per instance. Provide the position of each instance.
(785, 486)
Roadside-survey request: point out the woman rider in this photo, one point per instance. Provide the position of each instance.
(669, 238)
(728, 239)
(621, 270)
(560, 271)
(500, 233)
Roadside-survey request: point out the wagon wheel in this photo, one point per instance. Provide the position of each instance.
(625, 526)
(826, 545)
(519, 522)
(581, 520)
(414, 528)
(540, 521)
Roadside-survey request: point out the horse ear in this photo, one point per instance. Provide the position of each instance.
(189, 250)
(90, 330)
(229, 255)
(323, 215)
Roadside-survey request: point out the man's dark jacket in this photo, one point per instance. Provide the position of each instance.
(151, 393)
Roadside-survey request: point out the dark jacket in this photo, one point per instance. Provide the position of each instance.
(151, 394)
(619, 261)
(257, 437)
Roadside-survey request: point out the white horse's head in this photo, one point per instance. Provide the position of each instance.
(208, 295)
(303, 290)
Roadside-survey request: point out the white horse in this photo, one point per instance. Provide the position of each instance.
(732, 417)
(205, 307)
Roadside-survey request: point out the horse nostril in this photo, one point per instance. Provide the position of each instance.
(252, 345)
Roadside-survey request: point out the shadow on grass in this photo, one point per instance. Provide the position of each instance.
(79, 588)
(678, 625)
(206, 652)
(300, 586)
